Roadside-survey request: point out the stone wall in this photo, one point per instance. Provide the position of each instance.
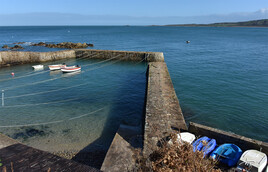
(226, 137)
(163, 113)
(122, 55)
(8, 58)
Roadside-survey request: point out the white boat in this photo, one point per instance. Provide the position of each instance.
(38, 67)
(185, 137)
(252, 161)
(71, 69)
(56, 67)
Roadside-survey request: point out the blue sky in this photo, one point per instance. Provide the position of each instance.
(138, 11)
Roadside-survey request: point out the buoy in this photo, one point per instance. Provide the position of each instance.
(12, 73)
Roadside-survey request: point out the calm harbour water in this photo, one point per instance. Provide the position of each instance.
(221, 79)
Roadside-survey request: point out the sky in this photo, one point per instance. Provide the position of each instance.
(135, 12)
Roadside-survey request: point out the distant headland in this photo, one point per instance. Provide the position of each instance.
(252, 23)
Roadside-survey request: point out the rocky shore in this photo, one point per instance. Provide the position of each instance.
(68, 45)
(16, 47)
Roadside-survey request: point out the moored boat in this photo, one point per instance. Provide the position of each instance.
(209, 147)
(227, 154)
(185, 137)
(198, 144)
(252, 161)
(56, 67)
(204, 144)
(38, 67)
(71, 69)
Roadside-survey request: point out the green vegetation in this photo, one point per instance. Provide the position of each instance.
(253, 23)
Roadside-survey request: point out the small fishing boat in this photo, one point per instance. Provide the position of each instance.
(252, 161)
(71, 69)
(56, 67)
(204, 144)
(227, 154)
(185, 137)
(38, 67)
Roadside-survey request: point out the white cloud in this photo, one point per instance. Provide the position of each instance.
(264, 10)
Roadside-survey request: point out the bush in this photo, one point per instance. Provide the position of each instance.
(172, 156)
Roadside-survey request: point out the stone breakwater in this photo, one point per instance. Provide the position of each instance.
(8, 58)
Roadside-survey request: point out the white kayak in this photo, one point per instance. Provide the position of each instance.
(185, 137)
(56, 67)
(38, 67)
(252, 160)
(70, 69)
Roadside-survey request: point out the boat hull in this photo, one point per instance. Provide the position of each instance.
(56, 67)
(227, 153)
(69, 70)
(38, 67)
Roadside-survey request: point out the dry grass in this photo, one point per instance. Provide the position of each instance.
(174, 157)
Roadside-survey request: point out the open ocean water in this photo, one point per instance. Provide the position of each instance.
(221, 80)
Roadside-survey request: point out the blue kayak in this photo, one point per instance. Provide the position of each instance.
(227, 153)
(198, 145)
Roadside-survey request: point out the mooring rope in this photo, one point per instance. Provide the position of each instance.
(91, 56)
(39, 82)
(52, 79)
(52, 122)
(37, 104)
(23, 76)
(102, 61)
(32, 94)
(37, 73)
(107, 64)
(37, 93)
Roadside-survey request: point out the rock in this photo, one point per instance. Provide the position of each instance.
(16, 47)
(18, 42)
(68, 45)
(5, 46)
(39, 44)
(33, 132)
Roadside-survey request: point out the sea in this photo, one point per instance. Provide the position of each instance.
(220, 78)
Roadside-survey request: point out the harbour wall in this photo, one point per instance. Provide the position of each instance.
(162, 112)
(8, 58)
